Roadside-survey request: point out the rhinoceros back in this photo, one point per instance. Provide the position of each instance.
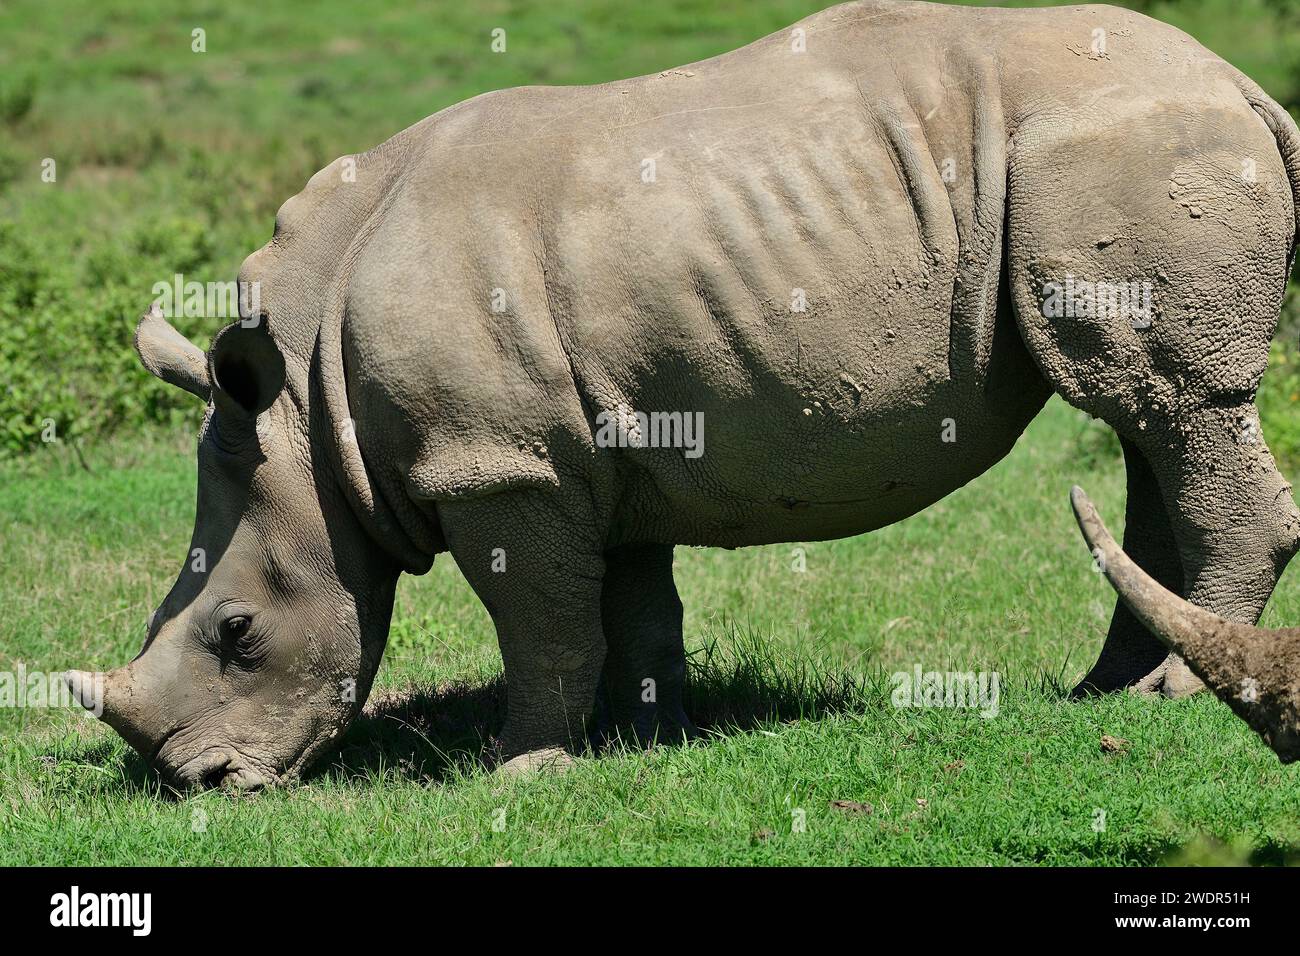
(800, 241)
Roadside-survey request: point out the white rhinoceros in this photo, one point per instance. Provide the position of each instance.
(795, 292)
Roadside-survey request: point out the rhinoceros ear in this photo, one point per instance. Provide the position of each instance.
(169, 355)
(246, 368)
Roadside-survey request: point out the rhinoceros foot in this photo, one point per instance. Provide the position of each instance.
(1170, 678)
(549, 759)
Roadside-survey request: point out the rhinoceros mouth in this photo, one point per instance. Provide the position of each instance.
(219, 767)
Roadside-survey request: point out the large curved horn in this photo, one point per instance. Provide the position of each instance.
(1254, 671)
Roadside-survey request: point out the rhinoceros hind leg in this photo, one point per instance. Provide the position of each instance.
(1155, 315)
(1231, 514)
(645, 660)
(1132, 657)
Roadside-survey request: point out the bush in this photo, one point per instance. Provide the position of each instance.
(1279, 392)
(67, 363)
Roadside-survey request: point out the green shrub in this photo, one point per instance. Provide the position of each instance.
(17, 97)
(67, 365)
(1279, 392)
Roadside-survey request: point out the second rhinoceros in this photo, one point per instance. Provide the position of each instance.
(799, 291)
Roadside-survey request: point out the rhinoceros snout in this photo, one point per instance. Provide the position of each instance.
(221, 768)
(185, 754)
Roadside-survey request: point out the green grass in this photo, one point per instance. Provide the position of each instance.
(790, 674)
(171, 161)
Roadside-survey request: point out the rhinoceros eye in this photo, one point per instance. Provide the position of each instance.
(234, 628)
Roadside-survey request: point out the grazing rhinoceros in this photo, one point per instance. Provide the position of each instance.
(795, 292)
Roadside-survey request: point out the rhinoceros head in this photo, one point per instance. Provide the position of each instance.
(266, 645)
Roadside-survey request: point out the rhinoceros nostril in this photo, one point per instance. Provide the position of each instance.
(206, 776)
(213, 778)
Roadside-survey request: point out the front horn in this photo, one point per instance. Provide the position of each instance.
(1255, 671)
(115, 699)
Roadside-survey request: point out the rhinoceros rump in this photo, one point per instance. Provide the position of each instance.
(853, 252)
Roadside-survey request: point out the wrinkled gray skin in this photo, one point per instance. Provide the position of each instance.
(409, 418)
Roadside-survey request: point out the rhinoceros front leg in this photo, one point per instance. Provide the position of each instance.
(645, 661)
(1175, 369)
(532, 559)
